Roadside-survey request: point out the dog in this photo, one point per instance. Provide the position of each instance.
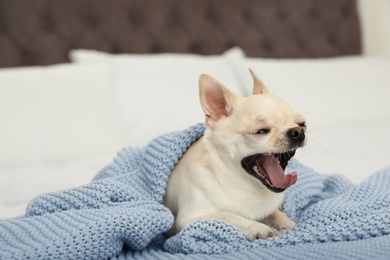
(235, 171)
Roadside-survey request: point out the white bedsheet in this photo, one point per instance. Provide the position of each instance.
(355, 151)
(19, 185)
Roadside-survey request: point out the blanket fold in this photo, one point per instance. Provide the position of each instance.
(120, 214)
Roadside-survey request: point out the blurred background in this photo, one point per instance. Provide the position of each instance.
(375, 23)
(81, 79)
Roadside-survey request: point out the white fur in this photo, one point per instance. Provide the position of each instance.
(209, 182)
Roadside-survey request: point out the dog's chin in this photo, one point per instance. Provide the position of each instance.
(269, 169)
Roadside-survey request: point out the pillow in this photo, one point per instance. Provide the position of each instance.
(329, 92)
(58, 113)
(159, 93)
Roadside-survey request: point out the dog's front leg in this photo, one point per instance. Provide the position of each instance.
(279, 220)
(251, 229)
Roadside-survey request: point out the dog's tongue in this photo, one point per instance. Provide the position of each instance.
(274, 171)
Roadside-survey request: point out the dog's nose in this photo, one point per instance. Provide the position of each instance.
(296, 133)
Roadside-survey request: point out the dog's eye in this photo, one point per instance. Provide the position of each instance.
(262, 131)
(303, 124)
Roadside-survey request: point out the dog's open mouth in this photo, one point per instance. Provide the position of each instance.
(269, 169)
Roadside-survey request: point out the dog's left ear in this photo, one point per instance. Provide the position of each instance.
(258, 85)
(216, 100)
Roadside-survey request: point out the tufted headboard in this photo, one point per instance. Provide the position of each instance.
(41, 32)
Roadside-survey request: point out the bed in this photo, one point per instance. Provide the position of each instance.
(81, 80)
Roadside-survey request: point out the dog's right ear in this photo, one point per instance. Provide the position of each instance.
(216, 100)
(258, 85)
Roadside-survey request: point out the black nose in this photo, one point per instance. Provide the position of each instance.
(297, 134)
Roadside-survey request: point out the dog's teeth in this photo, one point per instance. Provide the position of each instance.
(270, 184)
(256, 170)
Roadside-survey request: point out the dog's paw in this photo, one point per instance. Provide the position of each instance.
(279, 221)
(284, 223)
(258, 231)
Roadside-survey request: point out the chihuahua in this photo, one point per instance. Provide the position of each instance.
(235, 171)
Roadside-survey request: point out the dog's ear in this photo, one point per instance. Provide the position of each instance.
(216, 100)
(258, 85)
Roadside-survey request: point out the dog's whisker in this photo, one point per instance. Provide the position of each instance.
(313, 144)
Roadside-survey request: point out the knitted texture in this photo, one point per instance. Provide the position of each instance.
(120, 214)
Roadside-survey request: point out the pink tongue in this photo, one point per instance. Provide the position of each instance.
(271, 166)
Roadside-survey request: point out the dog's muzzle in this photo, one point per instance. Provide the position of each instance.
(269, 169)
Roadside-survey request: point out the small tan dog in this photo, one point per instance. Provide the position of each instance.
(235, 172)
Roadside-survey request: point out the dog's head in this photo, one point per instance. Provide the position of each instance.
(259, 133)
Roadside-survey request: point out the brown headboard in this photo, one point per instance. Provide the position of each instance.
(41, 32)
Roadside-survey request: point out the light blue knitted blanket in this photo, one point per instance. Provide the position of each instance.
(120, 215)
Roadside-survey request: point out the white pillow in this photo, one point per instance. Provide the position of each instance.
(58, 113)
(159, 93)
(328, 91)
